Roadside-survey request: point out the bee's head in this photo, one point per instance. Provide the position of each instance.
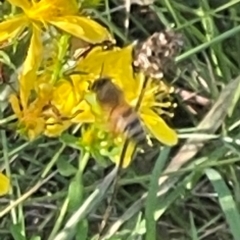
(99, 83)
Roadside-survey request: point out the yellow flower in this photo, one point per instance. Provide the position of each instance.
(29, 106)
(68, 98)
(51, 109)
(59, 13)
(4, 184)
(30, 119)
(67, 107)
(116, 64)
(44, 107)
(38, 14)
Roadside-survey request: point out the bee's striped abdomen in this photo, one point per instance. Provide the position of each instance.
(132, 126)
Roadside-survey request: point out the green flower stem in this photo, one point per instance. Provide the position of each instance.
(62, 52)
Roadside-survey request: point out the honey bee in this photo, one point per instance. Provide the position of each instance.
(121, 116)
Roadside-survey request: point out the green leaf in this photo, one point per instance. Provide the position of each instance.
(35, 238)
(75, 192)
(82, 230)
(90, 3)
(4, 58)
(65, 168)
(226, 201)
(70, 140)
(115, 238)
(16, 230)
(194, 233)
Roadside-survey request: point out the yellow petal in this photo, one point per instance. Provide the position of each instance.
(30, 67)
(64, 7)
(83, 28)
(67, 97)
(159, 128)
(4, 184)
(14, 101)
(128, 156)
(64, 97)
(45, 10)
(9, 29)
(34, 126)
(44, 90)
(85, 115)
(54, 129)
(115, 63)
(24, 4)
(79, 85)
(34, 54)
(89, 136)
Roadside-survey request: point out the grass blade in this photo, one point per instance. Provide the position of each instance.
(226, 201)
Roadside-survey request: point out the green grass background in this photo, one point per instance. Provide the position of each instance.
(199, 195)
